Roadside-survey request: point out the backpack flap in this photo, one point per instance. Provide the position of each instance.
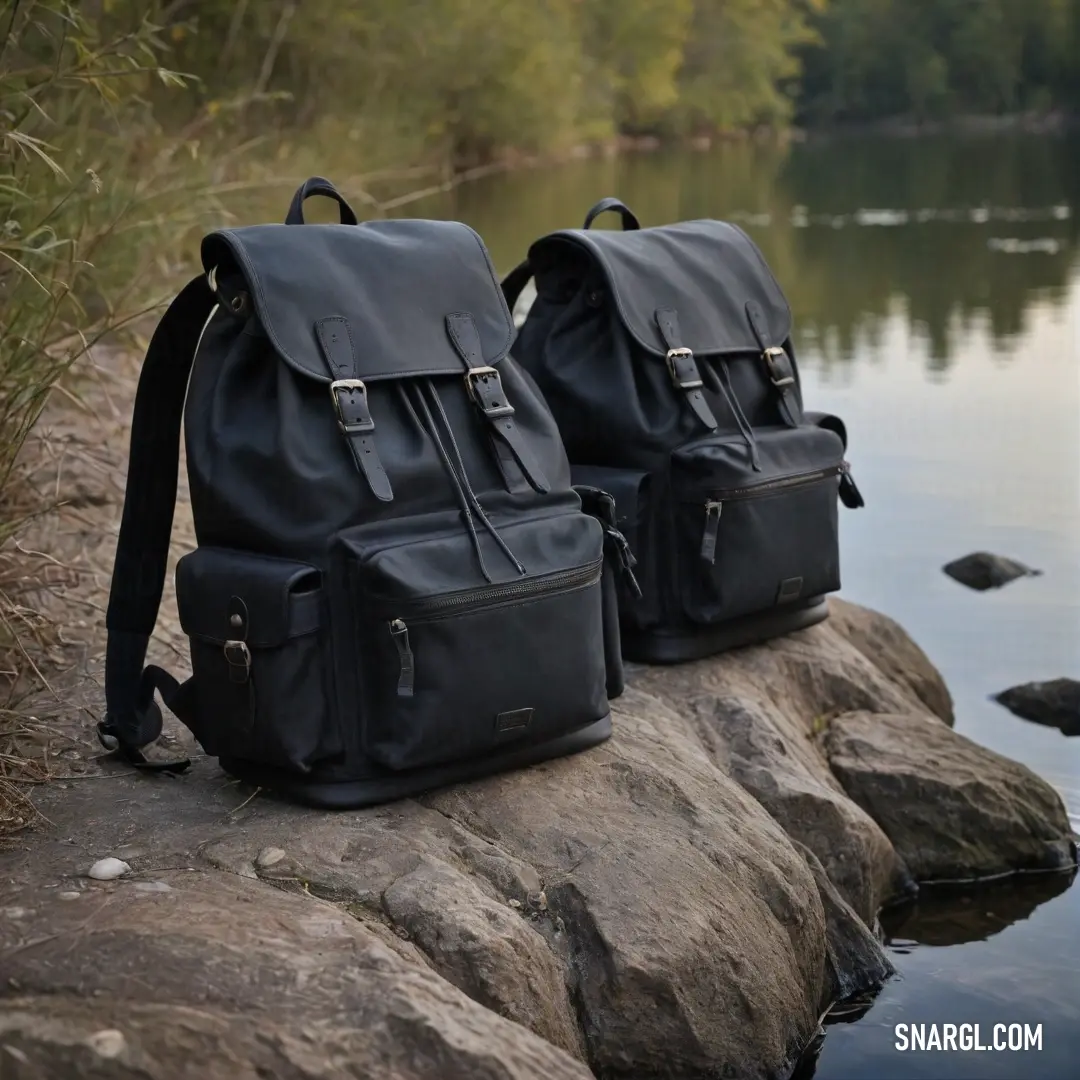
(393, 282)
(684, 291)
(354, 305)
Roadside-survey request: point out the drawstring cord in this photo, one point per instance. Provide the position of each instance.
(722, 383)
(478, 509)
(468, 503)
(463, 503)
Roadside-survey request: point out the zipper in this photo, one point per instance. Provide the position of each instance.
(714, 507)
(443, 607)
(713, 510)
(406, 676)
(850, 495)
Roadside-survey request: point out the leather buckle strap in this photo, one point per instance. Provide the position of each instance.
(485, 389)
(354, 416)
(779, 367)
(683, 369)
(350, 398)
(484, 386)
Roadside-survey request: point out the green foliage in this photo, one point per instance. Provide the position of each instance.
(928, 58)
(71, 106)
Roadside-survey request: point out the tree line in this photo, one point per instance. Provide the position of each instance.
(480, 77)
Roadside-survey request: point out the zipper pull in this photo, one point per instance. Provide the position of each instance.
(626, 559)
(850, 495)
(400, 633)
(712, 529)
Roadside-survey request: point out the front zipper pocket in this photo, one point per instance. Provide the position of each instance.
(751, 539)
(452, 666)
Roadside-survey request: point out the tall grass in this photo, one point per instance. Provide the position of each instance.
(88, 186)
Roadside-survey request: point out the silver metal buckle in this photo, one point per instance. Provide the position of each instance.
(767, 356)
(350, 385)
(677, 354)
(478, 373)
(238, 657)
(492, 412)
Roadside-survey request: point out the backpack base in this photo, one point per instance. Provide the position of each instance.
(659, 647)
(383, 785)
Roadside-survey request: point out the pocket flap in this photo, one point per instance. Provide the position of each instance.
(281, 598)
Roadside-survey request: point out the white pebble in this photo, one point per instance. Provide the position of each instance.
(68, 895)
(108, 869)
(270, 856)
(107, 1044)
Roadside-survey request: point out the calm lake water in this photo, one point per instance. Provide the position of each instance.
(936, 291)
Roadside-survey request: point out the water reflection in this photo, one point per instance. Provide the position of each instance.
(942, 918)
(950, 231)
(942, 980)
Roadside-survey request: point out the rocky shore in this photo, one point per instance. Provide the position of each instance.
(684, 901)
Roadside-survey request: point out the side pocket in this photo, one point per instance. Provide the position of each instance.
(639, 609)
(258, 659)
(619, 562)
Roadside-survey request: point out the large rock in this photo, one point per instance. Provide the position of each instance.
(225, 979)
(952, 809)
(683, 901)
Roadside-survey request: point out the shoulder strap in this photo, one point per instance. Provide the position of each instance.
(514, 283)
(132, 716)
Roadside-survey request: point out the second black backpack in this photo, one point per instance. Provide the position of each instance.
(665, 355)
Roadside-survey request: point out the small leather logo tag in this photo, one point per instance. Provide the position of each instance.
(515, 720)
(790, 589)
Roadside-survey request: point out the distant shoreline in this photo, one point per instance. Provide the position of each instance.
(901, 127)
(1028, 123)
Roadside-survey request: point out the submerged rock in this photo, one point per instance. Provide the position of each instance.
(984, 571)
(1053, 704)
(685, 900)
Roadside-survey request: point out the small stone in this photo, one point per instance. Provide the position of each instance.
(983, 571)
(69, 895)
(109, 1043)
(514, 903)
(152, 886)
(268, 857)
(108, 869)
(538, 900)
(16, 912)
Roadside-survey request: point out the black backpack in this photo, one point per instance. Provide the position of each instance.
(665, 356)
(395, 586)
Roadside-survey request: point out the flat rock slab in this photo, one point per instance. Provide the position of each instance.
(982, 571)
(1055, 703)
(684, 900)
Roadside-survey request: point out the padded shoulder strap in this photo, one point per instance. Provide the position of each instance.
(132, 717)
